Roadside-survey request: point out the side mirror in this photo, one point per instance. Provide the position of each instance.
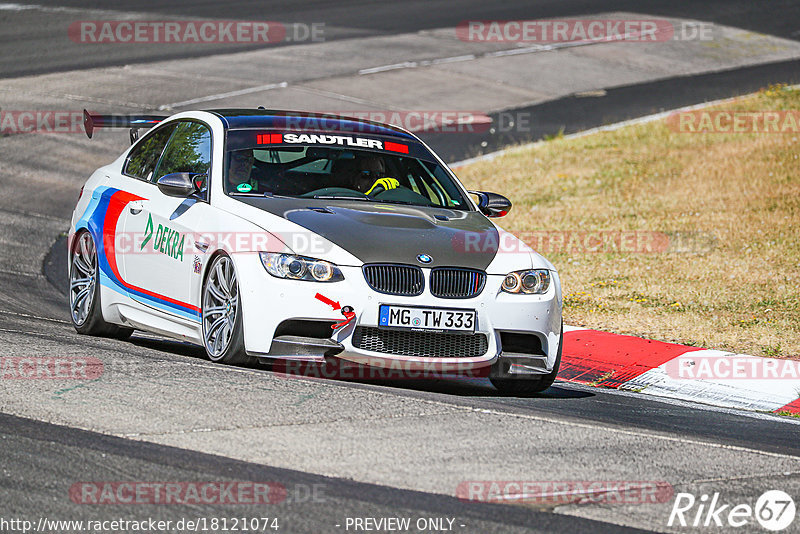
(492, 204)
(178, 184)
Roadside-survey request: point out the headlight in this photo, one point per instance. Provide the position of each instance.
(300, 267)
(530, 282)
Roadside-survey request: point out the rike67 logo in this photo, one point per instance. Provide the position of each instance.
(774, 510)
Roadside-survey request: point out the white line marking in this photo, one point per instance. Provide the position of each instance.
(415, 64)
(518, 51)
(11, 331)
(499, 53)
(453, 59)
(20, 273)
(112, 14)
(220, 96)
(98, 100)
(384, 68)
(339, 96)
(29, 316)
(18, 7)
(34, 214)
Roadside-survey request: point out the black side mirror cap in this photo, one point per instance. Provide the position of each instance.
(492, 204)
(178, 184)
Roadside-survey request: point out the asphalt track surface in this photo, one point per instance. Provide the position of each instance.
(41, 461)
(35, 44)
(34, 467)
(575, 113)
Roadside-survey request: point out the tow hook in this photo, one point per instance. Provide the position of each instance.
(349, 315)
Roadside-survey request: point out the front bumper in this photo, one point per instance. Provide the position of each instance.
(268, 301)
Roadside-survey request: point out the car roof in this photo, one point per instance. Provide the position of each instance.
(305, 120)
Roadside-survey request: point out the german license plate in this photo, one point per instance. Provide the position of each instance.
(427, 319)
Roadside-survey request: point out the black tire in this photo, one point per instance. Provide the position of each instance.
(233, 352)
(88, 320)
(524, 387)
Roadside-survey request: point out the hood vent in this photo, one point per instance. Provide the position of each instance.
(319, 209)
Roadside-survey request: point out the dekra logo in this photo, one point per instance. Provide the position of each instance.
(167, 240)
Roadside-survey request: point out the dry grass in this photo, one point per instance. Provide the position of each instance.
(741, 294)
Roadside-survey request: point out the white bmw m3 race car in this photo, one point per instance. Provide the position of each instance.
(274, 235)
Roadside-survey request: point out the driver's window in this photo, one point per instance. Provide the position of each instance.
(144, 156)
(188, 150)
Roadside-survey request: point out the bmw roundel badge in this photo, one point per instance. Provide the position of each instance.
(424, 258)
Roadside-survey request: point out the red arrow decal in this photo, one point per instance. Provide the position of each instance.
(329, 302)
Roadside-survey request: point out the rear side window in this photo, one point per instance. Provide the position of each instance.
(143, 158)
(188, 150)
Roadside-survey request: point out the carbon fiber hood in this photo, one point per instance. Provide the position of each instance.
(391, 233)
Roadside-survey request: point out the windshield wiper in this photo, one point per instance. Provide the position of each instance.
(341, 197)
(379, 200)
(404, 202)
(270, 194)
(370, 199)
(259, 195)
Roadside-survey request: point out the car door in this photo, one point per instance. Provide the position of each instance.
(164, 262)
(127, 189)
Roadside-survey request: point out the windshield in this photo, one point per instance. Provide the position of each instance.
(340, 173)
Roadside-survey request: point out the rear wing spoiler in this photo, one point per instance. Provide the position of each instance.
(134, 122)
